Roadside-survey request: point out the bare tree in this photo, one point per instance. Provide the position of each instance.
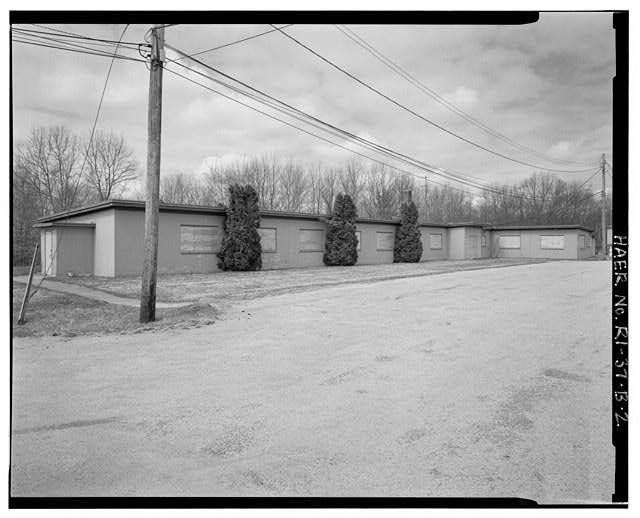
(110, 164)
(293, 187)
(329, 189)
(314, 197)
(48, 160)
(380, 195)
(182, 188)
(352, 180)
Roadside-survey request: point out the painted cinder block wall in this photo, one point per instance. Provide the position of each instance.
(530, 244)
(115, 244)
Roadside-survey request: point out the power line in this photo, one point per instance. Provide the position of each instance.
(73, 35)
(505, 192)
(425, 119)
(75, 192)
(359, 141)
(395, 168)
(62, 40)
(587, 180)
(303, 117)
(64, 45)
(119, 56)
(234, 42)
(288, 109)
(434, 95)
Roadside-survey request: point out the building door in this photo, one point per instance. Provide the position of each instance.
(49, 253)
(471, 251)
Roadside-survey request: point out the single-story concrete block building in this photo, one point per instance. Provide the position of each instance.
(107, 239)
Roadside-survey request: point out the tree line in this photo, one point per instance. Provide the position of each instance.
(48, 176)
(377, 191)
(55, 170)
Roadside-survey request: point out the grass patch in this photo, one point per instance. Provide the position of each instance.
(233, 287)
(59, 314)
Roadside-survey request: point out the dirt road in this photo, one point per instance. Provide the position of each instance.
(478, 383)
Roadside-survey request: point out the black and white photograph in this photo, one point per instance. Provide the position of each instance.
(307, 258)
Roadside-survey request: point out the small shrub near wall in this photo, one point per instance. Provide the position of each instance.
(341, 246)
(241, 249)
(408, 245)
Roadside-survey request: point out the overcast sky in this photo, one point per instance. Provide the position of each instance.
(546, 85)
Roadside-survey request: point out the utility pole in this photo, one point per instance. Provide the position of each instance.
(604, 211)
(425, 197)
(152, 204)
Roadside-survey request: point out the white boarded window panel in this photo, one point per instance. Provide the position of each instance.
(198, 239)
(581, 240)
(311, 240)
(552, 242)
(267, 239)
(509, 241)
(435, 241)
(358, 237)
(484, 239)
(384, 240)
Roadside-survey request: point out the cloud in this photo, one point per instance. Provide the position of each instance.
(462, 97)
(510, 78)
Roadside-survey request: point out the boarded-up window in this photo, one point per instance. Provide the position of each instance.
(484, 239)
(509, 241)
(588, 241)
(359, 237)
(435, 241)
(198, 239)
(311, 240)
(268, 237)
(552, 242)
(581, 240)
(384, 240)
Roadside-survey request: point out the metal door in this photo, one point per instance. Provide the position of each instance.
(472, 247)
(49, 252)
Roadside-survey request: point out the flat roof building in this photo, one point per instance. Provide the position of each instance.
(107, 239)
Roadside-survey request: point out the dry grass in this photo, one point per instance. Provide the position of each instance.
(59, 314)
(226, 287)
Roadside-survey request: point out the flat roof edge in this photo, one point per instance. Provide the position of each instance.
(51, 224)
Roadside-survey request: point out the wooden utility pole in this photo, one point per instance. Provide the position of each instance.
(604, 211)
(152, 204)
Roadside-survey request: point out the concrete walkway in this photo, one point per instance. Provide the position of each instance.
(82, 291)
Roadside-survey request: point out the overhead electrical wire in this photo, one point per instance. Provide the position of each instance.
(395, 168)
(93, 129)
(299, 115)
(73, 35)
(234, 42)
(425, 119)
(450, 106)
(306, 118)
(94, 53)
(56, 39)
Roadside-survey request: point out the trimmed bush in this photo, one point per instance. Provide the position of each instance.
(241, 249)
(341, 246)
(408, 245)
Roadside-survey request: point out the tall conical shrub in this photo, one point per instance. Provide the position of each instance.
(241, 249)
(408, 245)
(341, 246)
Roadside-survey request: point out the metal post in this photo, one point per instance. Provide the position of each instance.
(25, 300)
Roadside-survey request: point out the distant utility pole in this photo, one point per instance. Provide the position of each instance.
(604, 210)
(425, 197)
(152, 204)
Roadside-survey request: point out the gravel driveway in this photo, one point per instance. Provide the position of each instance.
(490, 382)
